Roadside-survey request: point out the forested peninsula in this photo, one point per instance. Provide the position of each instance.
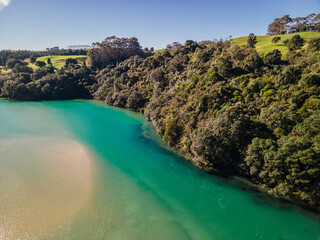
(227, 106)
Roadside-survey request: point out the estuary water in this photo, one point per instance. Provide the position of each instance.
(84, 170)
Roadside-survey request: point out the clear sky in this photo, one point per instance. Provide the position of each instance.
(37, 24)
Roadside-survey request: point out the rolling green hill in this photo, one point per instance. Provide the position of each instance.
(59, 61)
(264, 44)
(3, 71)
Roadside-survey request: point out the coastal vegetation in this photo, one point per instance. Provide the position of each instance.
(46, 82)
(229, 108)
(242, 107)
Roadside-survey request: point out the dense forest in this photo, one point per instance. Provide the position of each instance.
(228, 108)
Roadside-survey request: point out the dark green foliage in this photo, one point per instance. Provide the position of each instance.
(69, 61)
(275, 40)
(33, 58)
(314, 44)
(261, 161)
(21, 68)
(6, 55)
(67, 83)
(273, 58)
(11, 63)
(221, 140)
(279, 118)
(289, 167)
(294, 43)
(223, 66)
(39, 73)
(40, 63)
(252, 62)
(311, 80)
(114, 50)
(252, 40)
(289, 75)
(135, 101)
(172, 131)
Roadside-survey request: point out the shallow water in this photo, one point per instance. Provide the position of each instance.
(83, 170)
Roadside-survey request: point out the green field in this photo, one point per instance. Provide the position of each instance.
(264, 44)
(58, 61)
(3, 71)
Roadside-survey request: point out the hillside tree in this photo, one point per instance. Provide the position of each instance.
(275, 40)
(252, 40)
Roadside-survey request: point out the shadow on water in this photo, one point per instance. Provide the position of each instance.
(149, 138)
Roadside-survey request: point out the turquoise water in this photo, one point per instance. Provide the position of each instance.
(140, 189)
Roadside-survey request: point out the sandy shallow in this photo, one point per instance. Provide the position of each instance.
(43, 182)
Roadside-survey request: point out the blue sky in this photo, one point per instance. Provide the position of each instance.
(37, 24)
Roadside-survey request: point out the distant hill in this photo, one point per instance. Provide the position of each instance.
(264, 44)
(59, 61)
(56, 60)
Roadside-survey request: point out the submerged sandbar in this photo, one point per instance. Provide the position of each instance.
(43, 182)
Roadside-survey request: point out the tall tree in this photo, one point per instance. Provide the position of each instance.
(114, 50)
(33, 58)
(294, 43)
(286, 24)
(279, 26)
(252, 40)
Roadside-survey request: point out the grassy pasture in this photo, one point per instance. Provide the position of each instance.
(58, 61)
(264, 44)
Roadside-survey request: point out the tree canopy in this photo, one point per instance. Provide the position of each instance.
(294, 43)
(114, 50)
(286, 24)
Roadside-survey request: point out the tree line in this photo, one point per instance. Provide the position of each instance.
(286, 24)
(114, 50)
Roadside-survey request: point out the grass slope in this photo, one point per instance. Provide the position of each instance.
(58, 61)
(264, 44)
(3, 71)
